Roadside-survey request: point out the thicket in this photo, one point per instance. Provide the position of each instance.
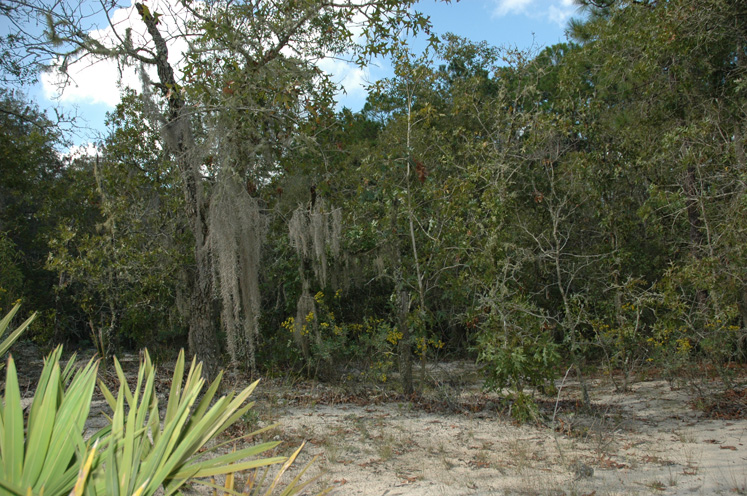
(580, 206)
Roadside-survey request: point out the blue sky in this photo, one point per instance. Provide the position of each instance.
(517, 23)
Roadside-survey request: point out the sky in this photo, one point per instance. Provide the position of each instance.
(524, 24)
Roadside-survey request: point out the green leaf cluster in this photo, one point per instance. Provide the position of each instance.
(8, 341)
(140, 452)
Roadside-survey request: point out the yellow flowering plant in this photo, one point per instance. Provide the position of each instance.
(370, 345)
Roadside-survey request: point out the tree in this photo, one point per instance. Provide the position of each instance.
(666, 114)
(512, 145)
(255, 61)
(423, 211)
(403, 94)
(123, 266)
(30, 169)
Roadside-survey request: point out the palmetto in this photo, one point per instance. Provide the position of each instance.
(140, 451)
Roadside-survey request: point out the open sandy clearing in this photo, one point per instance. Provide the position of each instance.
(649, 441)
(646, 442)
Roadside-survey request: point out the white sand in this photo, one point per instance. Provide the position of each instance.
(648, 441)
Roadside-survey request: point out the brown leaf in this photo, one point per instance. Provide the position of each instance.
(420, 169)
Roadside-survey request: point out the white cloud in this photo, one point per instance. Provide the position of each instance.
(562, 11)
(79, 151)
(93, 82)
(351, 77)
(556, 11)
(98, 80)
(506, 7)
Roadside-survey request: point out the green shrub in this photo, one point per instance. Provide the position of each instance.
(623, 334)
(516, 345)
(11, 277)
(370, 345)
(42, 456)
(138, 453)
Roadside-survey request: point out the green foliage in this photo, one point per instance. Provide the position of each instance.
(578, 203)
(8, 341)
(28, 178)
(258, 482)
(122, 259)
(11, 278)
(523, 408)
(625, 338)
(368, 345)
(144, 452)
(516, 345)
(140, 452)
(43, 455)
(698, 335)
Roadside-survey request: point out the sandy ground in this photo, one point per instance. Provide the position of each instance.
(460, 441)
(647, 441)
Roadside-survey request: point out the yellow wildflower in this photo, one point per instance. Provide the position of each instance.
(289, 324)
(393, 336)
(683, 346)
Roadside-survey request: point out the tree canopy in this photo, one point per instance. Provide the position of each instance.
(579, 204)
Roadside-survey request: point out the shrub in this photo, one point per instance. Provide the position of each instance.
(138, 453)
(44, 456)
(516, 345)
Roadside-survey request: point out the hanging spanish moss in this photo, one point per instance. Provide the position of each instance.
(306, 322)
(313, 231)
(237, 229)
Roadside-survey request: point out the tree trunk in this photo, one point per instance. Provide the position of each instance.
(693, 213)
(403, 310)
(203, 337)
(695, 220)
(405, 343)
(741, 156)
